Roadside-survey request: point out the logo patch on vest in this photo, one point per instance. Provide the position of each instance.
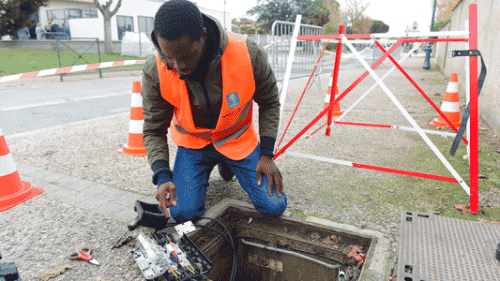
(233, 100)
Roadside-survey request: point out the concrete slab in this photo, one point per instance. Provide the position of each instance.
(117, 212)
(80, 185)
(54, 178)
(49, 188)
(26, 169)
(94, 188)
(66, 181)
(42, 174)
(90, 203)
(112, 194)
(128, 199)
(62, 193)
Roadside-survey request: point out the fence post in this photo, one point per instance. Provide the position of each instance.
(59, 57)
(99, 54)
(140, 44)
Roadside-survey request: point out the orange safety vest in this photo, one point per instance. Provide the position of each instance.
(234, 135)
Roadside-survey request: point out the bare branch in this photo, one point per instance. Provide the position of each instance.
(98, 5)
(118, 5)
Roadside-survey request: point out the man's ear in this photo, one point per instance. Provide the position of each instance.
(203, 36)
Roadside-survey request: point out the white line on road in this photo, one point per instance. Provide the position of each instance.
(24, 134)
(124, 109)
(61, 101)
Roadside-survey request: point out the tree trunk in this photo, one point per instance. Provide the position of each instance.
(108, 47)
(107, 15)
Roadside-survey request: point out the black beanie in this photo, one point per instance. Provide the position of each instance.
(177, 18)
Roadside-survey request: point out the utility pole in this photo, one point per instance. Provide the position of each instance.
(428, 50)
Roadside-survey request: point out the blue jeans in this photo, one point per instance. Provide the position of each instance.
(192, 169)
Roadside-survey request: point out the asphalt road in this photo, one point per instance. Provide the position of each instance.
(39, 104)
(35, 104)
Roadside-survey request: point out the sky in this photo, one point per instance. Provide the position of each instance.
(395, 13)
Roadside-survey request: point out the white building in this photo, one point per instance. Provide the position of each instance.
(86, 21)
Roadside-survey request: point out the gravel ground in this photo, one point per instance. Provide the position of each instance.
(40, 232)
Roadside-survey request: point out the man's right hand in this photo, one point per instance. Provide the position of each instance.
(166, 196)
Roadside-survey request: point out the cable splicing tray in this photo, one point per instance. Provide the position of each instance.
(175, 260)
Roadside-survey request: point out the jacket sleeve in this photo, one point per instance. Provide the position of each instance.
(266, 96)
(157, 117)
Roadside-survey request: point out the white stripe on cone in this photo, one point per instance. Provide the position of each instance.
(452, 87)
(136, 100)
(136, 126)
(449, 106)
(7, 165)
(327, 98)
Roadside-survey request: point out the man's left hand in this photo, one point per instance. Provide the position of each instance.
(267, 167)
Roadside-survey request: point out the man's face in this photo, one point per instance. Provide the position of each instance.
(183, 53)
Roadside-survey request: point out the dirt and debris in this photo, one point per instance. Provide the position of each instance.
(54, 272)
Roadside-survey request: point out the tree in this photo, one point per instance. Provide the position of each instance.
(318, 15)
(335, 17)
(269, 11)
(358, 22)
(379, 26)
(107, 15)
(445, 9)
(16, 14)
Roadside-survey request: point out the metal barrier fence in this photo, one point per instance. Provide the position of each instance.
(261, 39)
(306, 52)
(61, 44)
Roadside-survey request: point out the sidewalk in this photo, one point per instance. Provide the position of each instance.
(97, 198)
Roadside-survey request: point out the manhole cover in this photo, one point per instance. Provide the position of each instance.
(436, 248)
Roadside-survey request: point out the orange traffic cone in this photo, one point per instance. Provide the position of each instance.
(135, 145)
(12, 190)
(336, 108)
(450, 106)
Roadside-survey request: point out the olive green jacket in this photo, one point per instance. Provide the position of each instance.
(158, 112)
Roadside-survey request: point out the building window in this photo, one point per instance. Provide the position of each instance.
(146, 25)
(89, 12)
(74, 13)
(61, 16)
(124, 24)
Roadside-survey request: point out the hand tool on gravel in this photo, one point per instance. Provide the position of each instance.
(133, 225)
(84, 254)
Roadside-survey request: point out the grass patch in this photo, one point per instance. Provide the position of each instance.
(443, 195)
(298, 213)
(16, 61)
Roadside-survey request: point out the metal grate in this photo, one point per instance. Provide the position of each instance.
(434, 248)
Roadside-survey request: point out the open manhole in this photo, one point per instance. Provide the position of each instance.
(278, 248)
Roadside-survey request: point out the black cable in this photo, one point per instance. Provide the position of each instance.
(291, 248)
(235, 255)
(221, 224)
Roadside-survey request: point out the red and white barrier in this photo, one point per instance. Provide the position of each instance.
(470, 36)
(276, 41)
(68, 69)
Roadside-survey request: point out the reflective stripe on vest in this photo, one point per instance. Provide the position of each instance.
(206, 135)
(234, 135)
